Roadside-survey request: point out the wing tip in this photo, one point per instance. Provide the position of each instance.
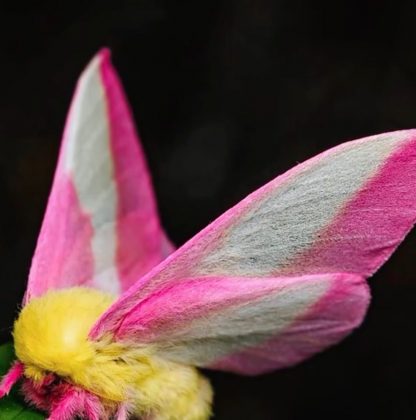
(104, 54)
(353, 295)
(101, 60)
(103, 57)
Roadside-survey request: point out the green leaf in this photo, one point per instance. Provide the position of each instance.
(13, 406)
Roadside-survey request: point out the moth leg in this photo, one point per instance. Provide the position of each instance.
(122, 412)
(93, 408)
(11, 377)
(71, 405)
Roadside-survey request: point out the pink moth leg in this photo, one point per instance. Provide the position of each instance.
(11, 377)
(93, 409)
(68, 407)
(77, 402)
(122, 413)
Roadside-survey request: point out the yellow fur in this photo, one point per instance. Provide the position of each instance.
(51, 335)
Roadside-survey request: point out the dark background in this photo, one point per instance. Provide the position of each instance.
(227, 95)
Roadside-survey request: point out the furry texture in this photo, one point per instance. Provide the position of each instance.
(64, 401)
(70, 406)
(58, 345)
(13, 375)
(122, 413)
(98, 375)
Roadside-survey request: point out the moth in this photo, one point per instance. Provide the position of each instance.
(115, 322)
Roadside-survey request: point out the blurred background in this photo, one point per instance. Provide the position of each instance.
(227, 95)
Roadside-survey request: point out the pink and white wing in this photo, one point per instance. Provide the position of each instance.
(247, 325)
(101, 227)
(319, 230)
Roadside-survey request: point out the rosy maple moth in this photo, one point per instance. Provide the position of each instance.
(115, 322)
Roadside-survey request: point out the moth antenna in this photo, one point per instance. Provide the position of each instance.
(11, 377)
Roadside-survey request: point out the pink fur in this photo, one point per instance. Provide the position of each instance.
(93, 408)
(14, 374)
(141, 238)
(47, 393)
(122, 413)
(69, 406)
(63, 400)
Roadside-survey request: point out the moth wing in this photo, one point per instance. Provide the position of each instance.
(343, 211)
(101, 227)
(248, 325)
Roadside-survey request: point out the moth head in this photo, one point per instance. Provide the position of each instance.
(51, 332)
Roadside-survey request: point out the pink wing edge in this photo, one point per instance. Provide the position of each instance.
(139, 225)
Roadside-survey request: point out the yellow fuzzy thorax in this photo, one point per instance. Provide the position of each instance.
(51, 335)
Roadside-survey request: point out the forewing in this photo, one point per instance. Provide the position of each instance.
(344, 211)
(248, 325)
(101, 227)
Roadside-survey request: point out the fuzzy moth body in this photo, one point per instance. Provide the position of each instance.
(116, 322)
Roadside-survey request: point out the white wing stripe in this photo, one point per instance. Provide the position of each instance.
(288, 220)
(215, 336)
(89, 122)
